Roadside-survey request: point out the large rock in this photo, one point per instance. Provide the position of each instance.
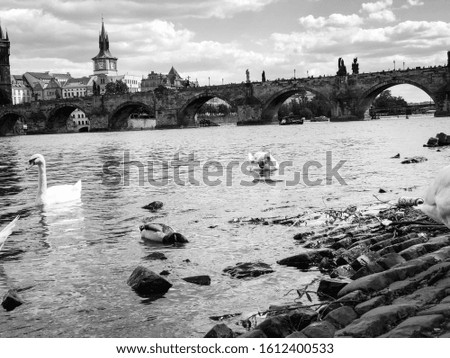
(248, 269)
(147, 283)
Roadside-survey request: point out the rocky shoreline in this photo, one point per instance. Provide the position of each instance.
(385, 273)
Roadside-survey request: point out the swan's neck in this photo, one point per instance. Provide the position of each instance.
(42, 184)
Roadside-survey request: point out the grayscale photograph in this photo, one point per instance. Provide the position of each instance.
(225, 169)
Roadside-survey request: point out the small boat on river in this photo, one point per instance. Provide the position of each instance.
(291, 119)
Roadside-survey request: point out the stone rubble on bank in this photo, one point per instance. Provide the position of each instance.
(386, 273)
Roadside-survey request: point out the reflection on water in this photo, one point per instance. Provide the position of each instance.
(76, 259)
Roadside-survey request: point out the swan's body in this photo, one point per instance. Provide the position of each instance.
(264, 160)
(161, 233)
(437, 198)
(6, 231)
(54, 194)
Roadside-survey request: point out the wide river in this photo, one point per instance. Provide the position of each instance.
(73, 261)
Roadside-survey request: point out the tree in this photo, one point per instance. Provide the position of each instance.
(117, 87)
(386, 101)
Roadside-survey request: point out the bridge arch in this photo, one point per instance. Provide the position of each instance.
(186, 114)
(12, 123)
(367, 97)
(120, 115)
(58, 119)
(271, 106)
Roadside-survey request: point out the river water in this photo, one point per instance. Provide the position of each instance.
(73, 261)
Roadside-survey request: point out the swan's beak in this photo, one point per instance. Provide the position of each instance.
(30, 164)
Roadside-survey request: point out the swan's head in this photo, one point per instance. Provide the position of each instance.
(37, 159)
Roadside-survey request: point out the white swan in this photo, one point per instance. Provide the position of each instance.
(437, 198)
(264, 160)
(6, 231)
(161, 233)
(54, 194)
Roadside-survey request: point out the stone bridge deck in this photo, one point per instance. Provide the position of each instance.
(349, 97)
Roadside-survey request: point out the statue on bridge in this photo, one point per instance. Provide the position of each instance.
(263, 79)
(247, 74)
(342, 70)
(355, 66)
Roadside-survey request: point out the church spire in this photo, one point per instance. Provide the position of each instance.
(104, 62)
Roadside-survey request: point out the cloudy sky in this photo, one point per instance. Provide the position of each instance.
(217, 40)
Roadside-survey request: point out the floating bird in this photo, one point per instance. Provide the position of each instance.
(161, 233)
(6, 231)
(437, 198)
(54, 194)
(264, 160)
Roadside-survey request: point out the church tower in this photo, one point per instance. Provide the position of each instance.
(5, 74)
(104, 62)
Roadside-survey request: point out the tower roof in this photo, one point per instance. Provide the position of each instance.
(103, 42)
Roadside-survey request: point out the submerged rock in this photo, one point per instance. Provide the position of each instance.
(416, 159)
(248, 269)
(203, 280)
(11, 300)
(153, 206)
(156, 256)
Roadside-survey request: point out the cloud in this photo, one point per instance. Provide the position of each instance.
(379, 11)
(334, 20)
(412, 3)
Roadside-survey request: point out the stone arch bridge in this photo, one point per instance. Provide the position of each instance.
(349, 97)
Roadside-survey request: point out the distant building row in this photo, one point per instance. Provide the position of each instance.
(38, 86)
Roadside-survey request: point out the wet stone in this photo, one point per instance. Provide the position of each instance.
(220, 330)
(370, 269)
(248, 269)
(297, 334)
(422, 297)
(322, 329)
(306, 259)
(203, 280)
(276, 327)
(441, 308)
(11, 300)
(352, 298)
(415, 327)
(256, 333)
(156, 256)
(370, 304)
(341, 317)
(154, 206)
(390, 260)
(377, 321)
(329, 287)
